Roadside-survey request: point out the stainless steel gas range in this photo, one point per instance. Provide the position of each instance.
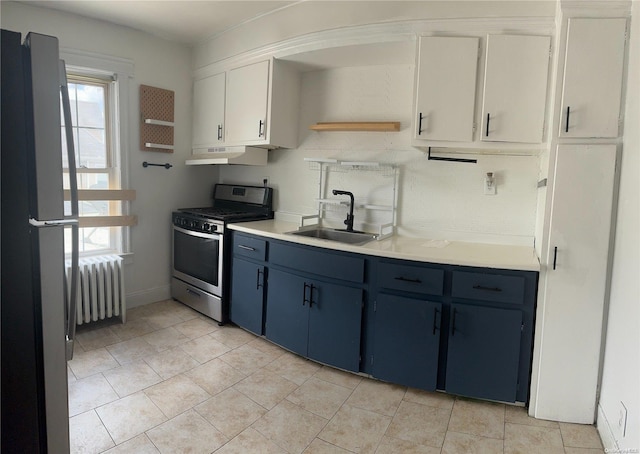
(200, 272)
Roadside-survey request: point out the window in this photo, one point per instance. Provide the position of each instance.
(99, 87)
(96, 161)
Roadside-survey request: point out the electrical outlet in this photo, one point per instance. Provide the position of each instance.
(622, 419)
(489, 184)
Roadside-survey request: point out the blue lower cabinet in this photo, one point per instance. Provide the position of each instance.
(483, 352)
(247, 295)
(474, 341)
(407, 341)
(287, 321)
(315, 319)
(335, 319)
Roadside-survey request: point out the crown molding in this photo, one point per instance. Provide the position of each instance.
(394, 32)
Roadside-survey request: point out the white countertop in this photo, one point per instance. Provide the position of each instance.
(418, 249)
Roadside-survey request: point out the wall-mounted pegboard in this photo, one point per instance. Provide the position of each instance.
(156, 119)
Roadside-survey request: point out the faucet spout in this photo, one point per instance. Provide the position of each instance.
(349, 221)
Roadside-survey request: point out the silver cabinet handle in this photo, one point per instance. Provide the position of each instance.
(247, 248)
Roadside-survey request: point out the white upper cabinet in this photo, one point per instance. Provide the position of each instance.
(446, 88)
(593, 77)
(208, 112)
(515, 88)
(262, 105)
(247, 103)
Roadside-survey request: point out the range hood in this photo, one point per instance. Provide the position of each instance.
(251, 156)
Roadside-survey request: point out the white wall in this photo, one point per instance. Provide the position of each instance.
(436, 199)
(157, 63)
(621, 374)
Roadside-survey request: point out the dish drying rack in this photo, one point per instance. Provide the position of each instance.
(326, 166)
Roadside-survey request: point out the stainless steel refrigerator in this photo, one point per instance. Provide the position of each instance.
(37, 317)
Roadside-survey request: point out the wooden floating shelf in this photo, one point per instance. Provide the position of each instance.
(372, 126)
(151, 121)
(160, 146)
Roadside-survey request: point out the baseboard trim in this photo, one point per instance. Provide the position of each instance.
(148, 296)
(606, 434)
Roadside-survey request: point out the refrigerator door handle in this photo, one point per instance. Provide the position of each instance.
(52, 223)
(73, 185)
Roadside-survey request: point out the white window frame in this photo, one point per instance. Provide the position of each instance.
(111, 168)
(120, 71)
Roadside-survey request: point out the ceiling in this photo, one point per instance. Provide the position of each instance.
(183, 21)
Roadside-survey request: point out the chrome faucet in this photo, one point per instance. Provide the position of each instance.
(349, 221)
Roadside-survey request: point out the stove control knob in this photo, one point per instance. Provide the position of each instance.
(206, 226)
(214, 227)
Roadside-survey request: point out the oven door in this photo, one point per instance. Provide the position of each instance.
(197, 259)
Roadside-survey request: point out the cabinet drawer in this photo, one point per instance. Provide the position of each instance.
(247, 246)
(324, 263)
(488, 287)
(410, 278)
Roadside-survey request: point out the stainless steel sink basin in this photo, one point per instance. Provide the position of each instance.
(342, 236)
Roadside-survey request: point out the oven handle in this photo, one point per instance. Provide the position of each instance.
(212, 236)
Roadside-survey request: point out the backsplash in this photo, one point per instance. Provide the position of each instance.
(440, 200)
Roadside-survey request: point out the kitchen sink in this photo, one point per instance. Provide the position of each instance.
(342, 236)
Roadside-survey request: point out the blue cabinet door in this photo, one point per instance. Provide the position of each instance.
(287, 321)
(484, 352)
(335, 319)
(407, 341)
(247, 295)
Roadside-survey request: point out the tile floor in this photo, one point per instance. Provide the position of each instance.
(173, 381)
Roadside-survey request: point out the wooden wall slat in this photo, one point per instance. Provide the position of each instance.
(102, 194)
(107, 221)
